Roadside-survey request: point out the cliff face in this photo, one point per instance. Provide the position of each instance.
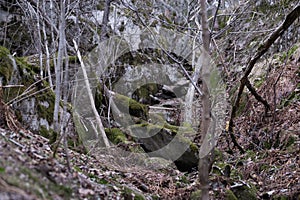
(23, 90)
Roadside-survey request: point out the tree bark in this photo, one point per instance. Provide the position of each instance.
(206, 160)
(61, 47)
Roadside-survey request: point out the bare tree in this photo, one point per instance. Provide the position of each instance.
(205, 161)
(59, 64)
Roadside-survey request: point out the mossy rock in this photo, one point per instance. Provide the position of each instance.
(143, 93)
(130, 106)
(115, 135)
(245, 193)
(229, 195)
(45, 105)
(196, 195)
(50, 134)
(34, 101)
(6, 68)
(155, 137)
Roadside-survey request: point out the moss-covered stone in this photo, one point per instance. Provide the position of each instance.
(154, 137)
(196, 195)
(115, 135)
(229, 195)
(245, 193)
(143, 93)
(130, 106)
(50, 134)
(6, 68)
(45, 105)
(34, 100)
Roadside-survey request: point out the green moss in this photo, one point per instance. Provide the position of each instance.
(258, 82)
(63, 190)
(287, 55)
(280, 197)
(293, 97)
(218, 155)
(131, 194)
(27, 69)
(229, 195)
(2, 169)
(73, 59)
(245, 193)
(264, 167)
(115, 135)
(136, 109)
(171, 127)
(98, 180)
(50, 134)
(243, 100)
(196, 195)
(154, 128)
(184, 179)
(101, 5)
(193, 147)
(35, 186)
(145, 90)
(292, 50)
(6, 68)
(46, 111)
(250, 154)
(291, 140)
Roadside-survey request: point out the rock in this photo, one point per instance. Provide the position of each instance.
(167, 143)
(31, 98)
(244, 192)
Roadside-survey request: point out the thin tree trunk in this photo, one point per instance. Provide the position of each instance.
(104, 29)
(47, 49)
(205, 161)
(61, 47)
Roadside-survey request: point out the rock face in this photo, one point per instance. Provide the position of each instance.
(29, 96)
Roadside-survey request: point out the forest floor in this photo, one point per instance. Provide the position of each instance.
(270, 166)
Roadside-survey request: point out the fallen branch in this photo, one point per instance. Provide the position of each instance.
(11, 86)
(262, 49)
(92, 102)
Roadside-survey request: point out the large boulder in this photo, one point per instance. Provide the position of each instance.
(168, 142)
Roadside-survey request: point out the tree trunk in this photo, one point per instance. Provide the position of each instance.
(205, 161)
